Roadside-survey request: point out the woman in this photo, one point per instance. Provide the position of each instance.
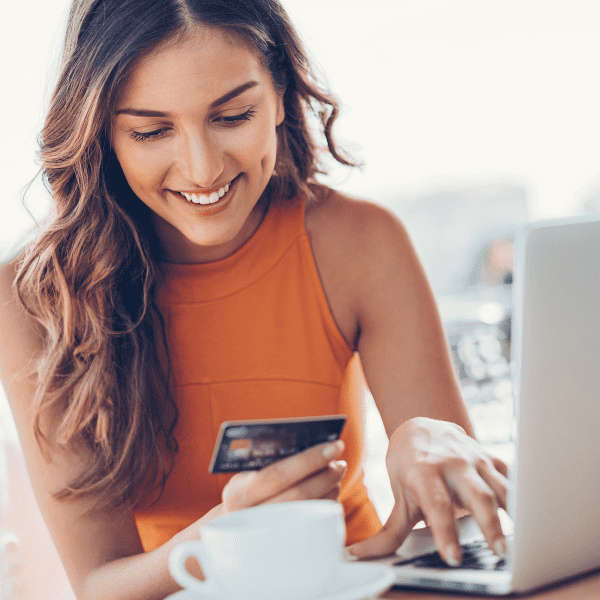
(193, 271)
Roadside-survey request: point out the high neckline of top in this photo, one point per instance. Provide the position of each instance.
(281, 225)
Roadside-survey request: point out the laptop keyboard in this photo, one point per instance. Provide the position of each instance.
(476, 555)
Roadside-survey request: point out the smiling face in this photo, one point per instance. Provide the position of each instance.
(194, 130)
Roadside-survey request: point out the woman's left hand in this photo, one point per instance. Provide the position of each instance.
(434, 466)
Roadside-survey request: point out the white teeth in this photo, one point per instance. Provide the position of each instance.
(206, 198)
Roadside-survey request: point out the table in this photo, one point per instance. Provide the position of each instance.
(585, 587)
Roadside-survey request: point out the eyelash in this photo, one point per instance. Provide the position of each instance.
(225, 121)
(237, 118)
(141, 137)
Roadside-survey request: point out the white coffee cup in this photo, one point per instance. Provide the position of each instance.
(288, 550)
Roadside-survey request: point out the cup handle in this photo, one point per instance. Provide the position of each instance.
(177, 559)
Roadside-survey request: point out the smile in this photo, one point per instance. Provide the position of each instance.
(207, 198)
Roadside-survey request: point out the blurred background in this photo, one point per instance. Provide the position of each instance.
(471, 118)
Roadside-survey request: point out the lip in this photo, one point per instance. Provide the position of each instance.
(211, 209)
(210, 191)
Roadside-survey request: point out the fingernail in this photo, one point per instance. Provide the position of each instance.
(332, 449)
(500, 548)
(338, 465)
(453, 555)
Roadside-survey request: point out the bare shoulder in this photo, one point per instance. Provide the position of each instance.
(364, 257)
(8, 272)
(361, 234)
(20, 339)
(8, 298)
(13, 317)
(348, 215)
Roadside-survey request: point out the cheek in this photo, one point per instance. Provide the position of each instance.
(142, 170)
(260, 147)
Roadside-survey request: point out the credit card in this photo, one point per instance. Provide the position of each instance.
(254, 444)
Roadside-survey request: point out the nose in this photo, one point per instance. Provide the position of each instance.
(201, 159)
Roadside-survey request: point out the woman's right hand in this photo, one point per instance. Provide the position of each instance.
(313, 474)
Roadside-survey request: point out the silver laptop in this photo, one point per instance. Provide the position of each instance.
(555, 501)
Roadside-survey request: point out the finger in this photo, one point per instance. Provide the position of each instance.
(334, 494)
(253, 487)
(497, 482)
(286, 473)
(317, 486)
(499, 465)
(435, 501)
(388, 539)
(234, 493)
(482, 500)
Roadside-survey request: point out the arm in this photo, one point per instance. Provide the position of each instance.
(382, 302)
(386, 309)
(102, 552)
(402, 343)
(86, 542)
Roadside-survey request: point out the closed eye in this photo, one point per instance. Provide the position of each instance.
(227, 121)
(141, 137)
(246, 116)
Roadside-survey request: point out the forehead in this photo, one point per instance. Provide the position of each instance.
(194, 69)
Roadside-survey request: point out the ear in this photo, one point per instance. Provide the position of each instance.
(280, 110)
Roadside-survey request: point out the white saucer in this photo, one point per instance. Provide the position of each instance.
(354, 581)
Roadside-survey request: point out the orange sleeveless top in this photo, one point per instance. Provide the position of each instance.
(251, 336)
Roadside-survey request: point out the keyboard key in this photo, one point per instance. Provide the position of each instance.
(476, 555)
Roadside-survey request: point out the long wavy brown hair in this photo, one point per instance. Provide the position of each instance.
(88, 278)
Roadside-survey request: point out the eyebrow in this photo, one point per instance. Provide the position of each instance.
(141, 112)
